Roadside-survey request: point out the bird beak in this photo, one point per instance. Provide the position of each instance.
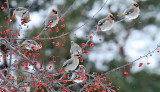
(13, 17)
(113, 18)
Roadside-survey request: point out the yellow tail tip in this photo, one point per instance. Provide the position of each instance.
(69, 80)
(10, 20)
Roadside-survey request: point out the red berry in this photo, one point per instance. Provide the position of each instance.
(140, 64)
(125, 73)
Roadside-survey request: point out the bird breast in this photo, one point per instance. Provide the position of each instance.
(72, 66)
(133, 15)
(20, 14)
(107, 25)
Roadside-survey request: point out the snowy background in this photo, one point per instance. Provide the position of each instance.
(142, 36)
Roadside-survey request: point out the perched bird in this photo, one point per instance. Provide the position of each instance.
(26, 88)
(70, 64)
(75, 49)
(79, 75)
(51, 21)
(106, 24)
(132, 12)
(31, 45)
(22, 14)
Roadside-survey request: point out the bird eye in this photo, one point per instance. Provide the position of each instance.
(136, 5)
(111, 16)
(54, 11)
(76, 55)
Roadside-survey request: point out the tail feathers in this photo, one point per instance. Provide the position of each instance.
(20, 45)
(62, 70)
(69, 80)
(45, 29)
(121, 15)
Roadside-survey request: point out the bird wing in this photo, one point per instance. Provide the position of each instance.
(29, 43)
(21, 9)
(52, 19)
(129, 11)
(68, 62)
(102, 21)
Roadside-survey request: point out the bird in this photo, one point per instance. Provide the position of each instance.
(70, 64)
(22, 14)
(31, 45)
(51, 21)
(106, 23)
(78, 75)
(132, 12)
(26, 88)
(75, 49)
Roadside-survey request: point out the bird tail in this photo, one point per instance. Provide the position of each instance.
(45, 28)
(12, 17)
(20, 45)
(69, 80)
(120, 15)
(62, 70)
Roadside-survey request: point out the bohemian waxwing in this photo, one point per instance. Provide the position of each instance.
(132, 12)
(70, 64)
(26, 88)
(75, 49)
(31, 45)
(78, 77)
(22, 14)
(106, 24)
(51, 21)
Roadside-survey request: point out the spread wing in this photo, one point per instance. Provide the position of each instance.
(129, 11)
(68, 62)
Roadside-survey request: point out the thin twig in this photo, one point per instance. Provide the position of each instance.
(129, 63)
(5, 42)
(10, 34)
(67, 10)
